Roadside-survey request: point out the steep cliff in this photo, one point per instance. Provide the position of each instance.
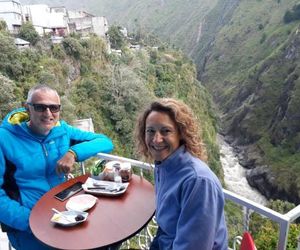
(252, 69)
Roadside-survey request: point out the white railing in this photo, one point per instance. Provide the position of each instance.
(284, 220)
(140, 164)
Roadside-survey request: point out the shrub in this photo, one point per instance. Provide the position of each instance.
(58, 51)
(7, 96)
(293, 15)
(263, 38)
(9, 63)
(28, 33)
(3, 25)
(266, 232)
(116, 37)
(73, 47)
(288, 17)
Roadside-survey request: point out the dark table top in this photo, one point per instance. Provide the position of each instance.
(111, 220)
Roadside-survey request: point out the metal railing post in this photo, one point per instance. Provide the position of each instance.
(283, 235)
(82, 168)
(282, 219)
(246, 212)
(298, 243)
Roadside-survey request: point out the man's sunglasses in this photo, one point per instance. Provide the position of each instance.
(54, 108)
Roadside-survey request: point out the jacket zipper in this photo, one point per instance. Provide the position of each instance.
(45, 149)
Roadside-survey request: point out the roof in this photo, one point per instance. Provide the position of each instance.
(19, 41)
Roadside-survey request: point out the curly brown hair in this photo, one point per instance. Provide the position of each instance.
(183, 117)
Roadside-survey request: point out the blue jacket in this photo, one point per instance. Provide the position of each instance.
(33, 161)
(190, 205)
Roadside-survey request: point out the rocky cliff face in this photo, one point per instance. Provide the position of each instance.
(217, 18)
(252, 69)
(274, 101)
(281, 128)
(260, 176)
(264, 180)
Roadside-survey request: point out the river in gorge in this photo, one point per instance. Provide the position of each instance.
(235, 174)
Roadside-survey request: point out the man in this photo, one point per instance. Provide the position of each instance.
(36, 151)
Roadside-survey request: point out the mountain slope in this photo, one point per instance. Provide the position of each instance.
(253, 70)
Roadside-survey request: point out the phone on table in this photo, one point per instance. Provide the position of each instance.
(69, 191)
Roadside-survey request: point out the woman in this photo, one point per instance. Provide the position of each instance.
(189, 197)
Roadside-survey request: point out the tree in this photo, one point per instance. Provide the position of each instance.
(116, 37)
(288, 17)
(122, 97)
(3, 25)
(28, 33)
(9, 63)
(7, 96)
(73, 47)
(293, 15)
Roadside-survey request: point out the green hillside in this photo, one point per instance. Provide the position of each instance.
(109, 88)
(252, 71)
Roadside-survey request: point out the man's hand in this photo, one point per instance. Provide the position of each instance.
(65, 164)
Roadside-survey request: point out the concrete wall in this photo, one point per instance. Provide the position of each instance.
(10, 12)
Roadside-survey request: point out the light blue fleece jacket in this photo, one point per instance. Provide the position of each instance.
(190, 205)
(35, 160)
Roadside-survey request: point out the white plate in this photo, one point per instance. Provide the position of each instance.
(105, 188)
(81, 202)
(67, 218)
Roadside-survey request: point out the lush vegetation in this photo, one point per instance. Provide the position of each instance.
(109, 88)
(28, 33)
(292, 15)
(116, 38)
(253, 73)
(266, 233)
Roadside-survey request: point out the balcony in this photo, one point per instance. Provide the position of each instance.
(144, 238)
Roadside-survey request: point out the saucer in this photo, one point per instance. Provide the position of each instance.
(67, 218)
(81, 202)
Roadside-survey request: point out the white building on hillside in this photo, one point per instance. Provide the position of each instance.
(85, 23)
(11, 13)
(100, 25)
(58, 21)
(21, 44)
(45, 19)
(80, 22)
(124, 31)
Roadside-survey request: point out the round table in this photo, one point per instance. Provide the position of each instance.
(112, 220)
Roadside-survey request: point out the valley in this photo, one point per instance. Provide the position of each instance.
(248, 59)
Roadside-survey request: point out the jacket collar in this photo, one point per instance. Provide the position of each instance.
(173, 162)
